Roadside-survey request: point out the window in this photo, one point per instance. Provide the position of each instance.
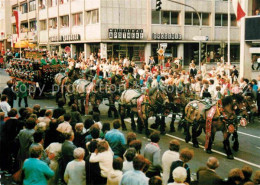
(222, 20)
(174, 17)
(155, 17)
(33, 26)
(14, 28)
(95, 16)
(64, 1)
(32, 5)
(64, 21)
(13, 9)
(53, 23)
(53, 3)
(24, 8)
(191, 18)
(92, 17)
(43, 25)
(188, 18)
(77, 19)
(165, 17)
(42, 4)
(24, 27)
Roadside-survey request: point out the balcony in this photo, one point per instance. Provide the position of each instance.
(32, 15)
(53, 11)
(43, 36)
(42, 14)
(77, 6)
(252, 28)
(24, 17)
(64, 9)
(32, 36)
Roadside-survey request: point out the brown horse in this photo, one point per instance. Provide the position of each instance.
(224, 117)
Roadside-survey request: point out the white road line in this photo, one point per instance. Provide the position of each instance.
(221, 153)
(248, 135)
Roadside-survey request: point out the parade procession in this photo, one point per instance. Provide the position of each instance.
(130, 92)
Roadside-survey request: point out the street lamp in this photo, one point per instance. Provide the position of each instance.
(200, 27)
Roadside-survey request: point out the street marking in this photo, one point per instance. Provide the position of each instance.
(221, 153)
(248, 135)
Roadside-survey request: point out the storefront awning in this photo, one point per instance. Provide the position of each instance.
(24, 44)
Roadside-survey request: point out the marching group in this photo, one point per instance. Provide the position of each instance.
(58, 147)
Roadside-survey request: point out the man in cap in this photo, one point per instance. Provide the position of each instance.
(55, 60)
(44, 60)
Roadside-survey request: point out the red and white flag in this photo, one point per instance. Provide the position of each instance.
(16, 15)
(238, 9)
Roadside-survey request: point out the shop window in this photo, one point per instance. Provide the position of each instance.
(53, 3)
(13, 9)
(42, 4)
(33, 26)
(165, 17)
(43, 25)
(24, 8)
(53, 23)
(174, 17)
(64, 21)
(24, 27)
(14, 29)
(155, 17)
(77, 19)
(188, 18)
(32, 5)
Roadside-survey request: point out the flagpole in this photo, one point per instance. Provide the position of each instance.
(229, 27)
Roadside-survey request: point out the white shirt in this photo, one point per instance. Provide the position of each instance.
(75, 173)
(127, 166)
(64, 127)
(167, 159)
(5, 107)
(105, 160)
(258, 60)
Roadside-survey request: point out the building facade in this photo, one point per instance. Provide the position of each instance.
(5, 26)
(127, 28)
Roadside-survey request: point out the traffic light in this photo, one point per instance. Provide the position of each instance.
(158, 5)
(219, 51)
(196, 55)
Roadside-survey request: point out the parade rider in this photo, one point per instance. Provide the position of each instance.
(44, 60)
(55, 60)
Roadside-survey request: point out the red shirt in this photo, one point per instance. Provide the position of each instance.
(167, 64)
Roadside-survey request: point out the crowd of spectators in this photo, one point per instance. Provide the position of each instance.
(57, 147)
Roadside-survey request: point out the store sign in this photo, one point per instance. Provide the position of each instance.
(64, 38)
(166, 36)
(127, 34)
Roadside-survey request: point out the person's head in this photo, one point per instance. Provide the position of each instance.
(116, 124)
(131, 136)
(236, 175)
(130, 154)
(96, 117)
(186, 155)
(30, 123)
(48, 113)
(139, 162)
(79, 153)
(68, 135)
(155, 137)
(256, 12)
(179, 174)
(105, 127)
(36, 151)
(67, 117)
(102, 146)
(212, 163)
(79, 127)
(95, 131)
(118, 164)
(10, 83)
(74, 107)
(36, 108)
(247, 171)
(38, 137)
(4, 97)
(174, 145)
(137, 144)
(53, 124)
(42, 112)
(92, 146)
(211, 81)
(12, 112)
(61, 103)
(156, 180)
(22, 112)
(257, 177)
(88, 123)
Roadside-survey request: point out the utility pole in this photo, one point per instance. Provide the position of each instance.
(200, 27)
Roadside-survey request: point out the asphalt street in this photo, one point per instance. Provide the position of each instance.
(249, 139)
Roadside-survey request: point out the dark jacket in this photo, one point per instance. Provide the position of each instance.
(75, 118)
(176, 164)
(67, 149)
(93, 173)
(10, 94)
(206, 176)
